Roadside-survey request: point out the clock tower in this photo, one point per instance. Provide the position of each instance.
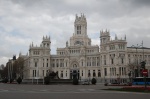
(80, 37)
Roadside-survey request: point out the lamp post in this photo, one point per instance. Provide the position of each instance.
(10, 70)
(129, 74)
(136, 47)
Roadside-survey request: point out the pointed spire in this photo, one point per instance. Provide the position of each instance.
(142, 43)
(20, 53)
(125, 38)
(32, 44)
(67, 44)
(116, 37)
(76, 17)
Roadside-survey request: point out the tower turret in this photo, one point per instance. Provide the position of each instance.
(46, 42)
(104, 36)
(80, 37)
(80, 25)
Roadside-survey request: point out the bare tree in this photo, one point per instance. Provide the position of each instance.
(1, 70)
(2, 67)
(4, 71)
(18, 67)
(133, 70)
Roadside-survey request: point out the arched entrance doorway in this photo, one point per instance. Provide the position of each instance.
(74, 71)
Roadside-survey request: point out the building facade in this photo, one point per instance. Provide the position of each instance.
(110, 61)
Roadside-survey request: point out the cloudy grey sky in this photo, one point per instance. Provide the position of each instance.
(25, 21)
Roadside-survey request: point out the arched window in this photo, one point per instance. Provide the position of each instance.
(89, 74)
(62, 74)
(99, 73)
(94, 74)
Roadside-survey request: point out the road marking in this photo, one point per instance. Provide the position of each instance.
(77, 91)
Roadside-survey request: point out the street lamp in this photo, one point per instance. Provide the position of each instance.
(129, 74)
(136, 47)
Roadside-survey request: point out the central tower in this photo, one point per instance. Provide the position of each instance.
(80, 37)
(80, 26)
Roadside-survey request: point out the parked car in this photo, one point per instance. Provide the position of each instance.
(85, 82)
(1, 80)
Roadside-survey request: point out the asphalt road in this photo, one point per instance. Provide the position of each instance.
(15, 91)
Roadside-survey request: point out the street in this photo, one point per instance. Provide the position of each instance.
(22, 91)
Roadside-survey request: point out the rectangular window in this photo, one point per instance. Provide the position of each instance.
(105, 71)
(57, 65)
(66, 73)
(35, 64)
(119, 70)
(98, 64)
(43, 72)
(104, 62)
(78, 29)
(62, 74)
(112, 61)
(94, 74)
(33, 73)
(99, 73)
(47, 64)
(122, 61)
(89, 74)
(124, 71)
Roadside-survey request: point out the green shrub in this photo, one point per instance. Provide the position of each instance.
(46, 80)
(105, 84)
(19, 80)
(93, 81)
(75, 81)
(5, 80)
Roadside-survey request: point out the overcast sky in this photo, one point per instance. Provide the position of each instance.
(25, 21)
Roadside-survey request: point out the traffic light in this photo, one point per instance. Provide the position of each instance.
(143, 64)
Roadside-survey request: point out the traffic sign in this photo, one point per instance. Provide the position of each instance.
(145, 72)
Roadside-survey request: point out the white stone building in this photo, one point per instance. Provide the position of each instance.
(106, 62)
